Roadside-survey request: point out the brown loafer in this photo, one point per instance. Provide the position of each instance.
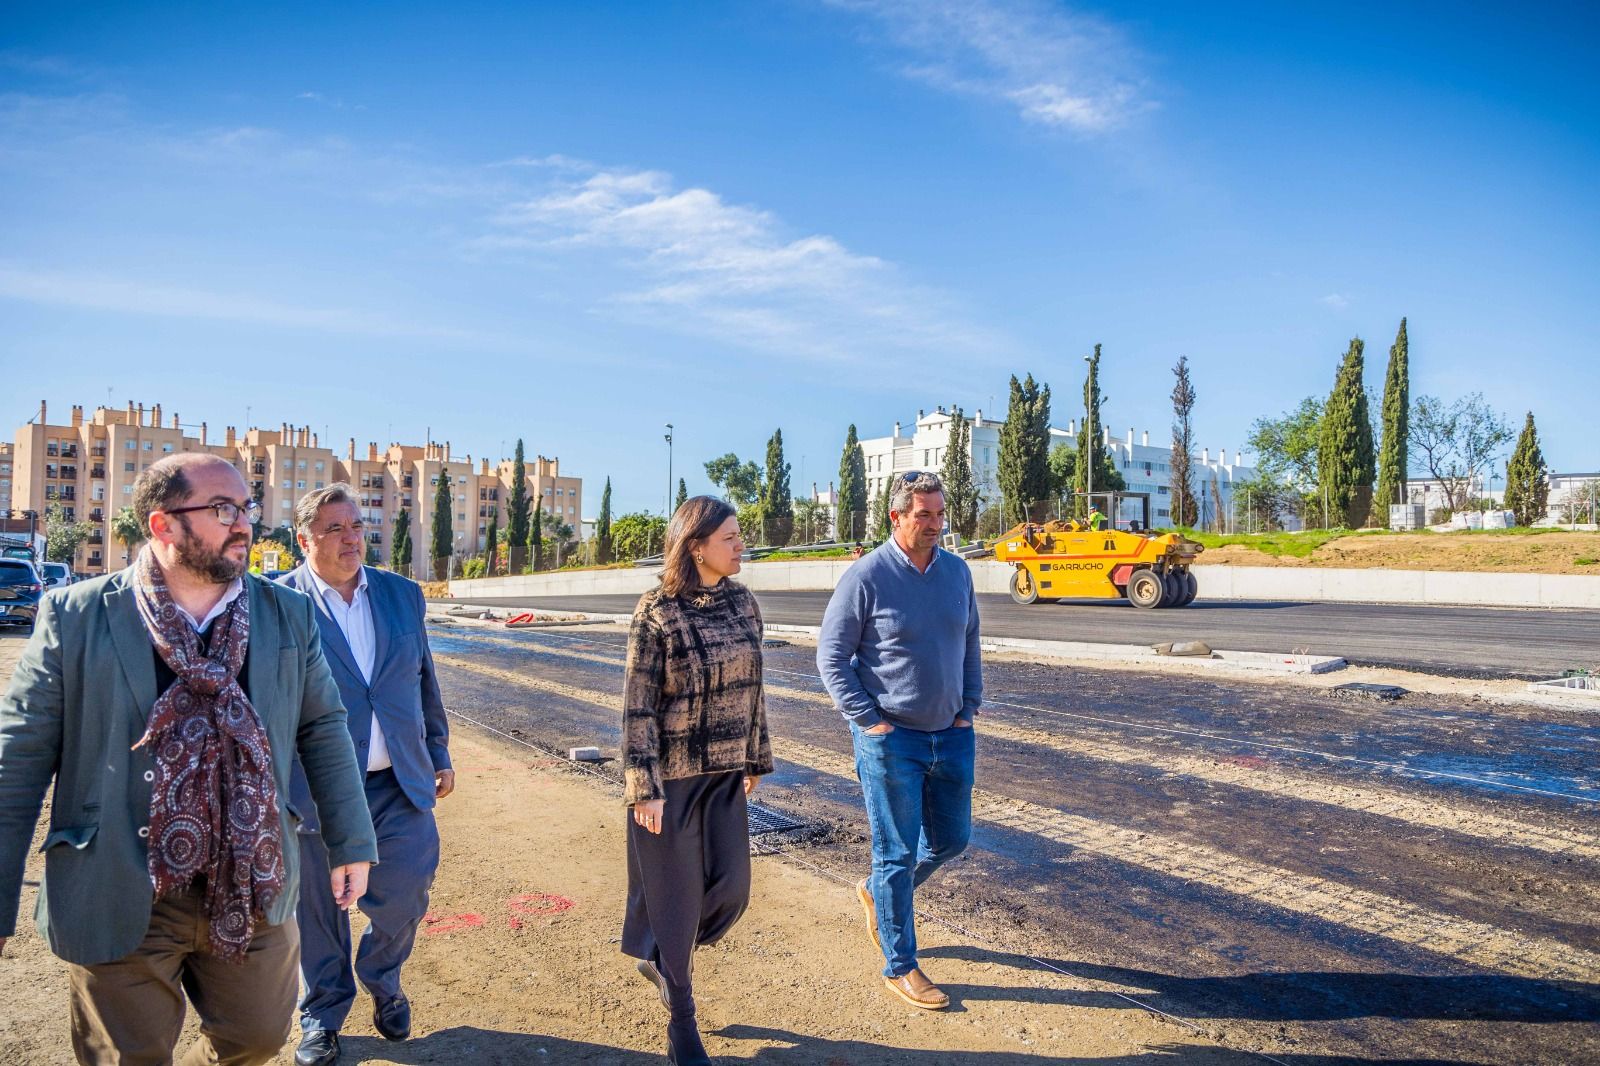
(917, 990)
(871, 909)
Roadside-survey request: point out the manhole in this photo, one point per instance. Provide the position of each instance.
(772, 831)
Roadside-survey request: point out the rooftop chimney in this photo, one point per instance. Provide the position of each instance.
(977, 417)
(202, 434)
(1130, 438)
(42, 412)
(155, 417)
(372, 451)
(897, 429)
(1205, 455)
(141, 414)
(1146, 441)
(1222, 456)
(175, 423)
(77, 415)
(227, 437)
(1072, 427)
(129, 422)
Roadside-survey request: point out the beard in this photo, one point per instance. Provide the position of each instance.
(211, 563)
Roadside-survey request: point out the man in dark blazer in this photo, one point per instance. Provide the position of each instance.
(95, 676)
(373, 633)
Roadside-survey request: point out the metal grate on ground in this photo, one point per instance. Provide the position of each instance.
(772, 831)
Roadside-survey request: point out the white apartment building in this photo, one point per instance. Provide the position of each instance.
(1145, 467)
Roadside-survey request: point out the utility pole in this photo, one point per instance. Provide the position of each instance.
(1088, 474)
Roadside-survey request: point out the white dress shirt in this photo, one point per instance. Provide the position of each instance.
(355, 622)
(234, 588)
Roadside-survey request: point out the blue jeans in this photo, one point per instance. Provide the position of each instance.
(918, 788)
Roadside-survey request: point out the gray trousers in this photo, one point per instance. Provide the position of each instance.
(690, 883)
(396, 900)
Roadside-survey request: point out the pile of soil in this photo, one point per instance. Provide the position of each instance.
(1555, 552)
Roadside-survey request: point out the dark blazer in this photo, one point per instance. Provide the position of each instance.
(77, 704)
(403, 694)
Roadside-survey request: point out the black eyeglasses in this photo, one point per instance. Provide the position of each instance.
(910, 475)
(227, 511)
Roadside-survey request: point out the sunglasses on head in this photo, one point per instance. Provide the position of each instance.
(910, 475)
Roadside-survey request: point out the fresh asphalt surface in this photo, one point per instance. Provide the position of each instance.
(1467, 641)
(1315, 879)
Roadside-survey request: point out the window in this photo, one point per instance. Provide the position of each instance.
(299, 484)
(127, 490)
(130, 445)
(302, 464)
(461, 481)
(288, 465)
(149, 445)
(547, 492)
(127, 468)
(319, 484)
(319, 467)
(167, 447)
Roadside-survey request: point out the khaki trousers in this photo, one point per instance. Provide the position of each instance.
(130, 1012)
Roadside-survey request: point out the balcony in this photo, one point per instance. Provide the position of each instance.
(69, 451)
(98, 451)
(258, 468)
(69, 473)
(97, 515)
(97, 472)
(97, 537)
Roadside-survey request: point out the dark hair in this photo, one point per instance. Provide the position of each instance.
(695, 520)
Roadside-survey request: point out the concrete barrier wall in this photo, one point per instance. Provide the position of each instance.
(1216, 583)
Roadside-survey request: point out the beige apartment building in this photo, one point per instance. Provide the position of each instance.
(88, 466)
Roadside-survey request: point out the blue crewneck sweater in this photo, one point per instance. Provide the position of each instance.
(902, 645)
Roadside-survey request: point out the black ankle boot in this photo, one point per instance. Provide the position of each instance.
(683, 1044)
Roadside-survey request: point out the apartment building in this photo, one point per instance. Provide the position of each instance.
(88, 466)
(1145, 467)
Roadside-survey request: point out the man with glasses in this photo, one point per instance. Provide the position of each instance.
(373, 631)
(169, 701)
(898, 652)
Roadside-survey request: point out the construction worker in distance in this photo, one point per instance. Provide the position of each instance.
(1097, 521)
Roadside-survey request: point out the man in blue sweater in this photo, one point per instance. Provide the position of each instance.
(899, 654)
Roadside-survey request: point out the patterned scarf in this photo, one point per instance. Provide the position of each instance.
(213, 806)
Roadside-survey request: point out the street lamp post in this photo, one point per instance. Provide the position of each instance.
(668, 511)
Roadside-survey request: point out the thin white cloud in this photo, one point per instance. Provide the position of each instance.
(1335, 300)
(730, 271)
(1057, 68)
(101, 293)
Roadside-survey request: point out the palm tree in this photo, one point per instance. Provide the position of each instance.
(126, 530)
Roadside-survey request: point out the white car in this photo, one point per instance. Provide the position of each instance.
(54, 575)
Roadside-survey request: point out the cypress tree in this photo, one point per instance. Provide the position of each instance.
(683, 494)
(491, 547)
(960, 492)
(440, 544)
(1344, 452)
(1396, 429)
(880, 523)
(536, 537)
(777, 505)
(602, 527)
(1184, 512)
(517, 532)
(1092, 453)
(1024, 466)
(851, 523)
(400, 546)
(1527, 486)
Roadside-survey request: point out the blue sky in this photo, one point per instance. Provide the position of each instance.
(574, 223)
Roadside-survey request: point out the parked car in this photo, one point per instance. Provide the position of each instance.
(20, 591)
(56, 575)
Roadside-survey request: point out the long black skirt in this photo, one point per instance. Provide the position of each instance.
(690, 883)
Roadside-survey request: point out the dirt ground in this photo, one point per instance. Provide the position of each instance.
(518, 961)
(1555, 552)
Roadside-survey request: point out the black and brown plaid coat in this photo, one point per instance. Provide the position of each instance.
(692, 699)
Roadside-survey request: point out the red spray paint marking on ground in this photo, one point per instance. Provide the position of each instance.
(536, 905)
(435, 924)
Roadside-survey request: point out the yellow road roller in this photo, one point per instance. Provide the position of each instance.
(1067, 560)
